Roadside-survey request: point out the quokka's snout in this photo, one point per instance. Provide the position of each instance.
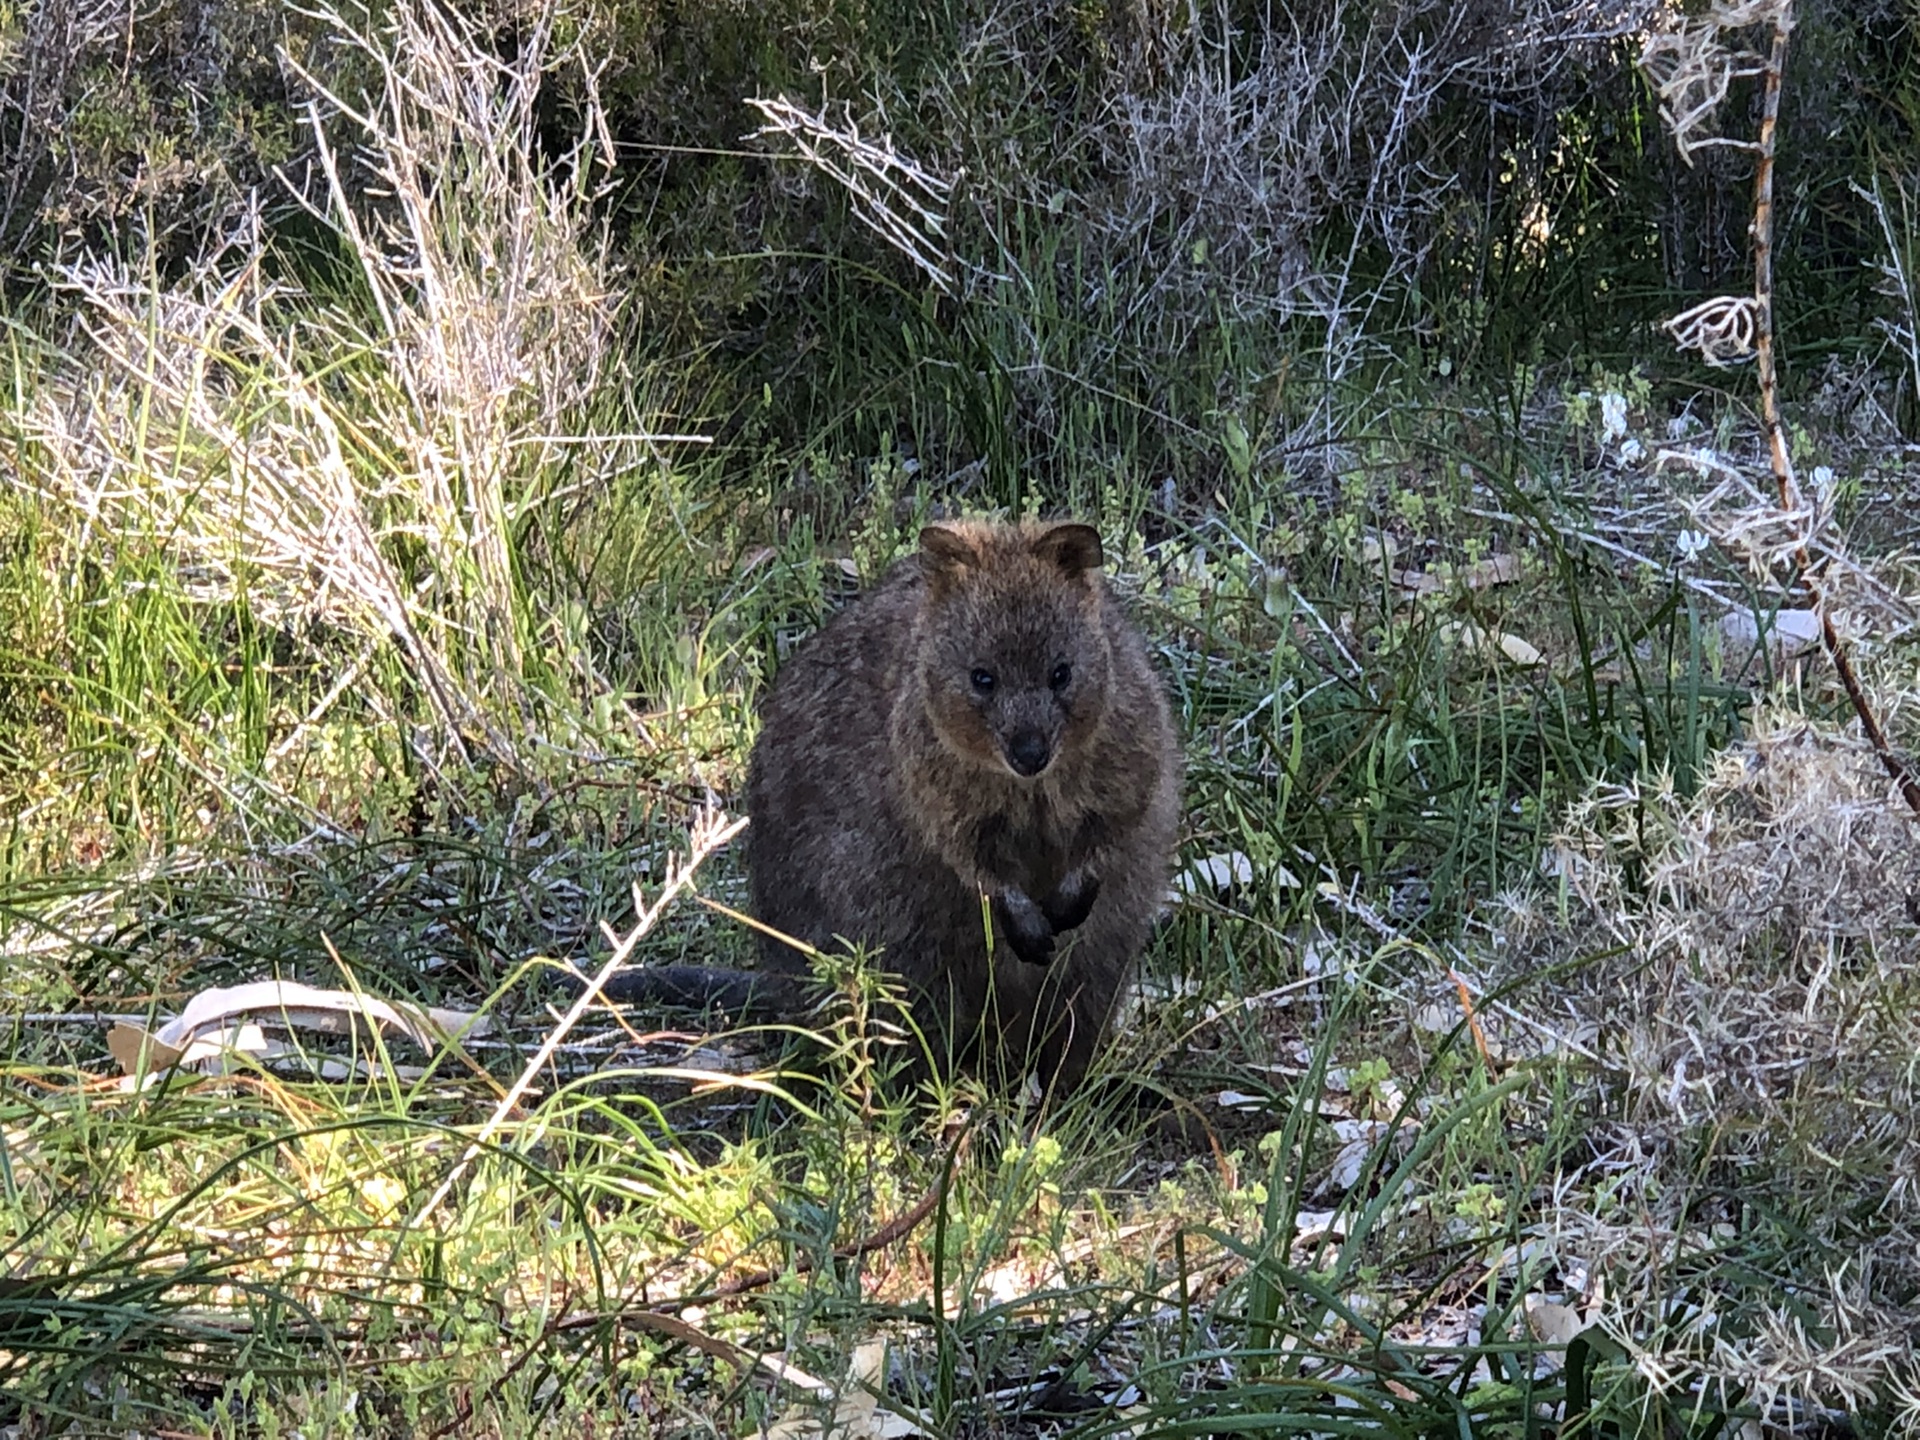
(1028, 752)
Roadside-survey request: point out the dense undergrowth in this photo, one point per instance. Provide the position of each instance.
(425, 434)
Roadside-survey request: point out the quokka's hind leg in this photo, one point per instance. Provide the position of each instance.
(1080, 1027)
(1049, 1022)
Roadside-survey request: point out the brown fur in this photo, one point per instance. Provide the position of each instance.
(886, 797)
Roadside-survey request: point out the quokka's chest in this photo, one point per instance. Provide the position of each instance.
(1033, 845)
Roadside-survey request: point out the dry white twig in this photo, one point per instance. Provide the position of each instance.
(711, 830)
(898, 198)
(1721, 329)
(1691, 69)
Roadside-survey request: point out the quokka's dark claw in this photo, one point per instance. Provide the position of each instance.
(1025, 926)
(1071, 902)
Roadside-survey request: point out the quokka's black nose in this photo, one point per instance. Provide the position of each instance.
(1028, 752)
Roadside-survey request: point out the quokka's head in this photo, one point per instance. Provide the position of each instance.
(1013, 651)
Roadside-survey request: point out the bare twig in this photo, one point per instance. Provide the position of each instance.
(1721, 329)
(711, 830)
(899, 199)
(1897, 270)
(1691, 69)
(1777, 452)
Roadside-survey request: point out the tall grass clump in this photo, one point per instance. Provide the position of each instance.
(280, 499)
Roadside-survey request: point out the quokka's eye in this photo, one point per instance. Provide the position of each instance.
(982, 681)
(1062, 676)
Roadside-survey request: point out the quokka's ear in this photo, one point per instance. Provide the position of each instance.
(946, 555)
(1074, 548)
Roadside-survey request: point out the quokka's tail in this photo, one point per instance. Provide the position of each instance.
(753, 995)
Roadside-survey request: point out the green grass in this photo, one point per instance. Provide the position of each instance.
(1338, 732)
(1335, 732)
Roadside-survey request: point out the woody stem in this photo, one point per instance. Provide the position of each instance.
(1809, 573)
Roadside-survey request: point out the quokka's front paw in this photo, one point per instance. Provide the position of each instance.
(1026, 927)
(1071, 901)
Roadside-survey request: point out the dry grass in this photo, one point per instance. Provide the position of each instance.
(1760, 1021)
(360, 465)
(1758, 1008)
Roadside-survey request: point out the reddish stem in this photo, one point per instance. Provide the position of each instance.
(1770, 409)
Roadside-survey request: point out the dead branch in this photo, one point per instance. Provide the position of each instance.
(899, 199)
(1691, 69)
(1812, 575)
(711, 830)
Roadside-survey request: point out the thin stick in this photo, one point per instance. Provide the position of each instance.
(710, 831)
(1810, 574)
(1473, 1018)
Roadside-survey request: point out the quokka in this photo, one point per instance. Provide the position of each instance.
(972, 771)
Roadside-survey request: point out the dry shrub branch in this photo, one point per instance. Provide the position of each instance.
(1692, 67)
(896, 197)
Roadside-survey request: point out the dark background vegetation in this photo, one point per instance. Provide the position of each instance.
(1163, 212)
